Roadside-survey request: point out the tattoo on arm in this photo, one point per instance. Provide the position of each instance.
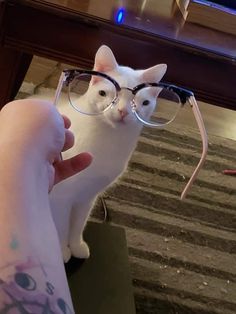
(14, 244)
(21, 293)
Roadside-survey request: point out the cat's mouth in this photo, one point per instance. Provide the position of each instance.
(121, 120)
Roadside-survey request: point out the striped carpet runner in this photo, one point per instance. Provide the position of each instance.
(182, 253)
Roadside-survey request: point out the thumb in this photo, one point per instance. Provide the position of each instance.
(67, 168)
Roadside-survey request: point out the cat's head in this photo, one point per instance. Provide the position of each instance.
(121, 113)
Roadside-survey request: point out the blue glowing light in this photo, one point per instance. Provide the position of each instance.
(120, 16)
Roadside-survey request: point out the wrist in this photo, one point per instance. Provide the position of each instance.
(23, 168)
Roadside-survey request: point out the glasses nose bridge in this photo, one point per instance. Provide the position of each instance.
(123, 88)
(128, 89)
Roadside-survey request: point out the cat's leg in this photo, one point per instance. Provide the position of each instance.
(79, 217)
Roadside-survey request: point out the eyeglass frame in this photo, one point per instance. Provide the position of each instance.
(68, 75)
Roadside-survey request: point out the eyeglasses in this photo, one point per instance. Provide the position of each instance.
(153, 104)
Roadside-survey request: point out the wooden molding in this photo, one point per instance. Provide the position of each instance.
(60, 34)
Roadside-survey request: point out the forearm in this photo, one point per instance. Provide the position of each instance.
(28, 241)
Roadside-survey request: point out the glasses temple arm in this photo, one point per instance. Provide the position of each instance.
(58, 92)
(200, 123)
(59, 88)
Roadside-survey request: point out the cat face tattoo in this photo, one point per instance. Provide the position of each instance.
(21, 293)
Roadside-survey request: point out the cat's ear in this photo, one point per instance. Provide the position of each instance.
(104, 60)
(154, 74)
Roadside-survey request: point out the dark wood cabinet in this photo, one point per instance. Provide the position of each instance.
(200, 59)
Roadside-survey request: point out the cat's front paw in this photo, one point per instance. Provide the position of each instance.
(79, 249)
(66, 253)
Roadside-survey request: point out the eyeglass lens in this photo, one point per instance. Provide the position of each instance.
(156, 105)
(94, 94)
(91, 94)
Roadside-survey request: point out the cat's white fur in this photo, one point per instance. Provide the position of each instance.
(111, 138)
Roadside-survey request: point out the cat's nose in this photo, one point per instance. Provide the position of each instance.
(123, 113)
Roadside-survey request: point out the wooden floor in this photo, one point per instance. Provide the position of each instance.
(218, 121)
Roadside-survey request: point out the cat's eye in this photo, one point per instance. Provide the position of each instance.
(146, 102)
(102, 93)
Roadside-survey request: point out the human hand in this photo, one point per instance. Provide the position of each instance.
(37, 133)
(32, 136)
(69, 167)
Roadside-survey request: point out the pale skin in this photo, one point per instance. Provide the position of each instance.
(32, 136)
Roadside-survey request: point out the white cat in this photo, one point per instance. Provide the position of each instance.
(111, 138)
